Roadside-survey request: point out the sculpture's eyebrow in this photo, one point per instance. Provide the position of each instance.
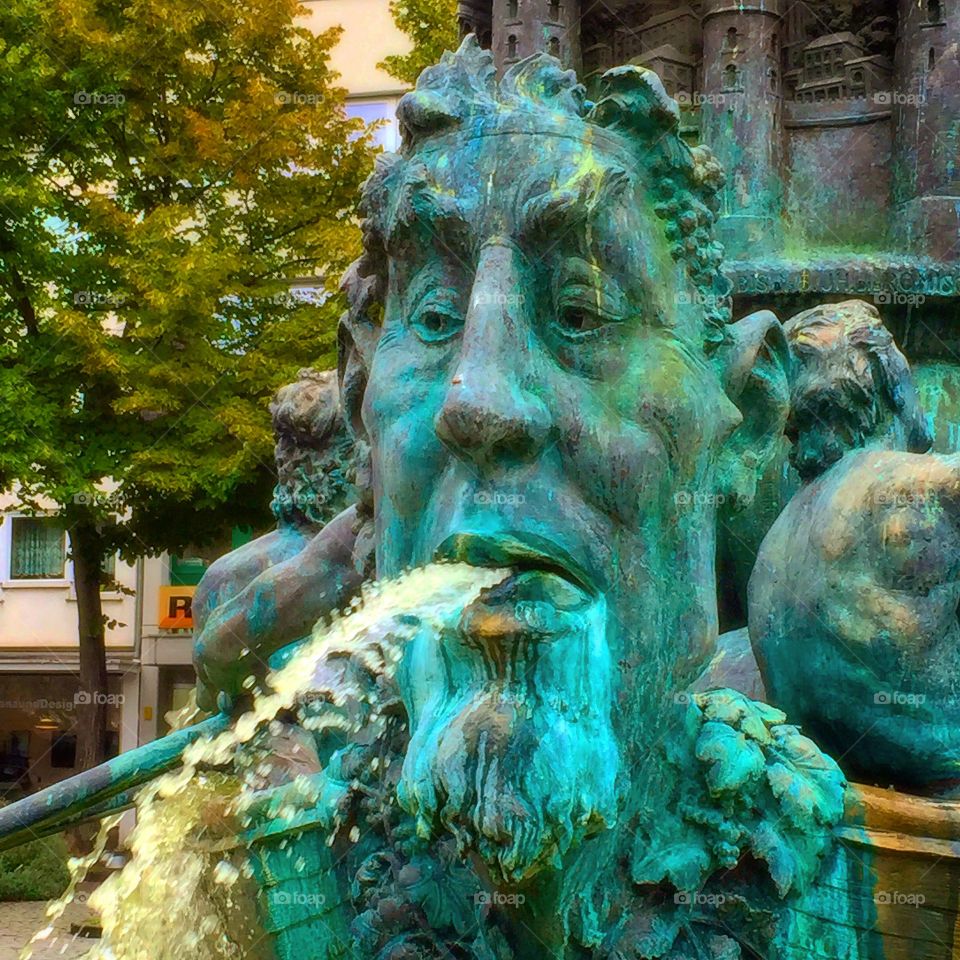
(421, 211)
(565, 207)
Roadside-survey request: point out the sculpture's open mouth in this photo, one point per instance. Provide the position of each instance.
(520, 550)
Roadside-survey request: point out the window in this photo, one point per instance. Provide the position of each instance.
(554, 10)
(554, 47)
(513, 9)
(730, 77)
(511, 47)
(931, 59)
(730, 41)
(63, 751)
(934, 11)
(381, 112)
(38, 548)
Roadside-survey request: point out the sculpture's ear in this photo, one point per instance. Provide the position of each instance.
(892, 374)
(754, 367)
(357, 337)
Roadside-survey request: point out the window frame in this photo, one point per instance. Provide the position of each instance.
(8, 581)
(6, 560)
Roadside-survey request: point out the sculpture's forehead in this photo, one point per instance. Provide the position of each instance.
(493, 171)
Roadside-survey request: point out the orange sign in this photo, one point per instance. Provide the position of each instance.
(176, 608)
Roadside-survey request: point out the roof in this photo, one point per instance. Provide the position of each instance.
(875, 59)
(665, 51)
(832, 39)
(828, 82)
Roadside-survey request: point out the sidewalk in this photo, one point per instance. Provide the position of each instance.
(20, 921)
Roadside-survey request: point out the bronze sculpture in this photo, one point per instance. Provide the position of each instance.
(540, 373)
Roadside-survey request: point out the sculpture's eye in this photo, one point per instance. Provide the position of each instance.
(436, 322)
(574, 320)
(585, 310)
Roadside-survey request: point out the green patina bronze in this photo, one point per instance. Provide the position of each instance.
(529, 359)
(540, 372)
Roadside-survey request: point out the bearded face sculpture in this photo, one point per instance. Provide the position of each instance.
(529, 358)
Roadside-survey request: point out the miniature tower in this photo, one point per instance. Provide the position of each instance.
(473, 16)
(524, 27)
(740, 116)
(926, 111)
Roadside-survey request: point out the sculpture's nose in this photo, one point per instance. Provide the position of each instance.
(490, 414)
(488, 424)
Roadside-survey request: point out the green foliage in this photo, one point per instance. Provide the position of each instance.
(755, 785)
(756, 807)
(432, 27)
(34, 871)
(167, 170)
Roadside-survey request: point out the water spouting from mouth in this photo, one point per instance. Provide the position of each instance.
(188, 889)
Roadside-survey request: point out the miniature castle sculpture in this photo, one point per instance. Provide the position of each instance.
(833, 122)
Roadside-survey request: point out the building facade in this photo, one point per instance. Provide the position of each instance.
(148, 644)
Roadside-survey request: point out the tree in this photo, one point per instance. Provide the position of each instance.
(432, 26)
(168, 169)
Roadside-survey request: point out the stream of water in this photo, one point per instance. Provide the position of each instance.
(187, 890)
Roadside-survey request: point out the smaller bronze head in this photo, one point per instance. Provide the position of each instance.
(852, 386)
(311, 451)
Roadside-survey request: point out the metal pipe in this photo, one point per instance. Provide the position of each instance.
(97, 792)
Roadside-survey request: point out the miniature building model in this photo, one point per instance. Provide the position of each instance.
(836, 127)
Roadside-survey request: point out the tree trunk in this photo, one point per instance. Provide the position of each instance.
(87, 549)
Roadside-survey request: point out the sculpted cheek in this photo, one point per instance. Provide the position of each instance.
(406, 450)
(621, 471)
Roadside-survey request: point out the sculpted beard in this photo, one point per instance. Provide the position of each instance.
(512, 748)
